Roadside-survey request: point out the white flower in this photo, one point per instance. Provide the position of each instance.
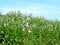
(56, 44)
(30, 27)
(23, 21)
(44, 26)
(2, 32)
(28, 18)
(21, 24)
(3, 43)
(35, 26)
(27, 25)
(49, 30)
(52, 29)
(10, 39)
(4, 24)
(29, 31)
(23, 29)
(51, 25)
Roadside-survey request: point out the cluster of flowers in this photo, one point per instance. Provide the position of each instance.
(27, 30)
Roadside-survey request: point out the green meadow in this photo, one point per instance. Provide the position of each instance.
(17, 28)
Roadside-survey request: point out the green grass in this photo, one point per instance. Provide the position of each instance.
(19, 29)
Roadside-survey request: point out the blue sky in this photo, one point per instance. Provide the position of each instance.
(49, 9)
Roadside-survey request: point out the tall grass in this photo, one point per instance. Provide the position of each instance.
(19, 29)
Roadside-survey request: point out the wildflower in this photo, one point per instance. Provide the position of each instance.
(27, 25)
(10, 39)
(3, 42)
(23, 21)
(23, 29)
(21, 24)
(30, 27)
(51, 25)
(44, 26)
(35, 26)
(56, 44)
(49, 30)
(29, 17)
(4, 24)
(2, 32)
(29, 31)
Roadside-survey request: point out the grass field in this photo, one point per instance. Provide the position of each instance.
(19, 29)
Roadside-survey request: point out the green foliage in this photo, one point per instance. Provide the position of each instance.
(19, 29)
